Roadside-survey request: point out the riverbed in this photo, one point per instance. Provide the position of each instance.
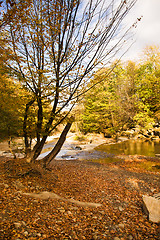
(104, 149)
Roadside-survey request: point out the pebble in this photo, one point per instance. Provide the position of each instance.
(116, 238)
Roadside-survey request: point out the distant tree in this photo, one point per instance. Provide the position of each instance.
(129, 96)
(148, 86)
(11, 108)
(111, 104)
(57, 45)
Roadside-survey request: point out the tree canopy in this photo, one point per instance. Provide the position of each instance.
(130, 95)
(55, 48)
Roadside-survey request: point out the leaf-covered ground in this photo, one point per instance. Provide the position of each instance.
(118, 187)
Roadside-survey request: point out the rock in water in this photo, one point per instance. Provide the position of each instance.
(151, 206)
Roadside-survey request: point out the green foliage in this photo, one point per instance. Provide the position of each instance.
(130, 95)
(11, 107)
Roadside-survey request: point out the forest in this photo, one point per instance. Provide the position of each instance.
(66, 94)
(128, 96)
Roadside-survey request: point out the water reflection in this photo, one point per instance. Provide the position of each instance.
(132, 147)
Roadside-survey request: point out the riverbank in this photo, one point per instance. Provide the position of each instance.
(114, 192)
(73, 142)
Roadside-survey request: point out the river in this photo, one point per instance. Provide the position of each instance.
(70, 151)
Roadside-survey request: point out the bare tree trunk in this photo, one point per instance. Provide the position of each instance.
(37, 150)
(25, 134)
(39, 119)
(46, 160)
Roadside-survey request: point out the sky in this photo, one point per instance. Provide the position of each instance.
(148, 29)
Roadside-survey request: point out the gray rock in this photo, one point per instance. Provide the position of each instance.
(151, 206)
(78, 148)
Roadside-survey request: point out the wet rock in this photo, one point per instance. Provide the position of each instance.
(68, 157)
(151, 207)
(78, 148)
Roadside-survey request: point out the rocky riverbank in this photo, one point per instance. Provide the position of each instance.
(76, 142)
(139, 133)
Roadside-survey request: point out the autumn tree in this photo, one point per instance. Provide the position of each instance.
(57, 45)
(11, 108)
(130, 95)
(148, 86)
(111, 104)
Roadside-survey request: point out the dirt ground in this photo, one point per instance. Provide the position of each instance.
(117, 188)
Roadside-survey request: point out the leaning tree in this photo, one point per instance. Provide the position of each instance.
(57, 45)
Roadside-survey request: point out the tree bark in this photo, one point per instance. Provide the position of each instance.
(46, 160)
(25, 134)
(40, 119)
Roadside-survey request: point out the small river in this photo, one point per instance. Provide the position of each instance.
(132, 147)
(107, 152)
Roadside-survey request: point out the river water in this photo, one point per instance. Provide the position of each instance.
(132, 147)
(106, 152)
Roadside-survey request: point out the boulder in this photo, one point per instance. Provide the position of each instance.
(156, 133)
(151, 206)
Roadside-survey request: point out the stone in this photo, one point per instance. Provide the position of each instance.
(151, 206)
(78, 148)
(116, 238)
